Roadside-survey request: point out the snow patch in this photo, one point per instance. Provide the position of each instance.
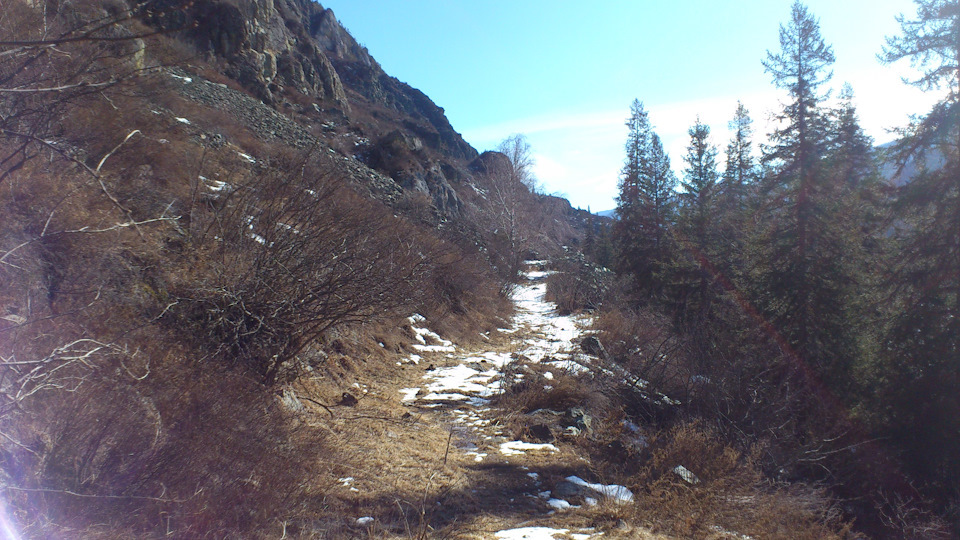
(686, 474)
(734, 534)
(531, 533)
(560, 504)
(409, 394)
(412, 359)
(463, 379)
(519, 448)
(215, 185)
(618, 493)
(477, 456)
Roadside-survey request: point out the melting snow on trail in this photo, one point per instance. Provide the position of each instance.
(545, 533)
(553, 333)
(518, 448)
(461, 384)
(618, 493)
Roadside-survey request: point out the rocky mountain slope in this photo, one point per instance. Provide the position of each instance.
(295, 56)
(206, 208)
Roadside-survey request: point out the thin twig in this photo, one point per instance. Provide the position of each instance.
(86, 495)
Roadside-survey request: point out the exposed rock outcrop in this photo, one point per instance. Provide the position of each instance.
(265, 42)
(490, 163)
(401, 156)
(364, 75)
(274, 46)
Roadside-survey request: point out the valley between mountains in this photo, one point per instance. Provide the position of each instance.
(254, 286)
(479, 470)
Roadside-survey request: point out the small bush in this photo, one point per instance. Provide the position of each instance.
(578, 285)
(727, 492)
(535, 392)
(163, 453)
(295, 258)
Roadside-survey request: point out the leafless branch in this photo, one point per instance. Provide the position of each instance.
(94, 496)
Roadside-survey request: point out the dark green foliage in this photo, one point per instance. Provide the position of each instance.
(805, 282)
(646, 205)
(919, 376)
(699, 183)
(691, 278)
(808, 311)
(741, 169)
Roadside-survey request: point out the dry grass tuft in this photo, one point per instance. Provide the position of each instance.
(727, 492)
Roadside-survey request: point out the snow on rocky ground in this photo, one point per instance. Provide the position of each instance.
(544, 533)
(463, 383)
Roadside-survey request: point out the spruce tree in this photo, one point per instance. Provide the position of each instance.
(658, 214)
(645, 205)
(736, 199)
(700, 182)
(803, 280)
(697, 222)
(922, 372)
(629, 202)
(741, 169)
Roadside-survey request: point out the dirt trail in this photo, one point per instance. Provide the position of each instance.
(477, 480)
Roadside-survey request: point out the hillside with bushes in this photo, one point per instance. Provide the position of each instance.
(252, 286)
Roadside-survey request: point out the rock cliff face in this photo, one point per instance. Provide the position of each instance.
(265, 43)
(361, 73)
(273, 47)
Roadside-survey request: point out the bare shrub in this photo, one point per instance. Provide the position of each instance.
(909, 518)
(578, 285)
(295, 257)
(462, 298)
(217, 456)
(721, 489)
(535, 392)
(644, 349)
(53, 57)
(506, 213)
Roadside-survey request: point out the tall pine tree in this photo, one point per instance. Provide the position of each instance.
(699, 183)
(629, 203)
(741, 169)
(691, 277)
(802, 275)
(645, 206)
(922, 372)
(736, 199)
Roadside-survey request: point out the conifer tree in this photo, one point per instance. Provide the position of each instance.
(629, 200)
(645, 205)
(658, 187)
(735, 196)
(697, 220)
(741, 169)
(922, 372)
(805, 279)
(851, 150)
(700, 182)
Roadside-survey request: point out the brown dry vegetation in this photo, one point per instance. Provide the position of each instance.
(145, 326)
(731, 492)
(174, 358)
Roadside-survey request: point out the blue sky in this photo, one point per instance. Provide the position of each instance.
(564, 73)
